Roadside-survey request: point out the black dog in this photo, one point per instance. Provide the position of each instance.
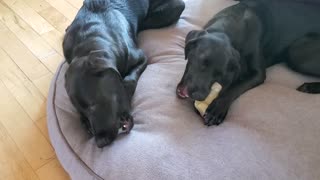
(105, 62)
(240, 42)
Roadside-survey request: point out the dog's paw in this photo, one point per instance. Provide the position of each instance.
(86, 124)
(216, 112)
(311, 88)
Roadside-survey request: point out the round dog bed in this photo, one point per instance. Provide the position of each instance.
(271, 132)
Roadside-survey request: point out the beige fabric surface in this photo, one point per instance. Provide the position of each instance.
(271, 132)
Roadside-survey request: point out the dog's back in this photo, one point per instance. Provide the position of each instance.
(103, 23)
(285, 21)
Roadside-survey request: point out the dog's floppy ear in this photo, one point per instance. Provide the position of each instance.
(97, 63)
(189, 45)
(194, 34)
(191, 40)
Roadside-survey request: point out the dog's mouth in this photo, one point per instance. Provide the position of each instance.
(182, 91)
(126, 124)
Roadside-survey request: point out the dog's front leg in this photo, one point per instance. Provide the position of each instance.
(139, 64)
(218, 109)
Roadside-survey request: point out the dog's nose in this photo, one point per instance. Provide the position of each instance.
(182, 91)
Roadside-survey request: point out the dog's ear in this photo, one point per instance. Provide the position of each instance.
(97, 64)
(191, 40)
(189, 46)
(194, 34)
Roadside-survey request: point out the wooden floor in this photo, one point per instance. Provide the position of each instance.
(31, 33)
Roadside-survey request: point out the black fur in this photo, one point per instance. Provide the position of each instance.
(239, 43)
(105, 62)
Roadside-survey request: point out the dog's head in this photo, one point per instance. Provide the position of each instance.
(211, 58)
(96, 90)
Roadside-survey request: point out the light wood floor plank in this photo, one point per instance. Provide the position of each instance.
(38, 23)
(21, 55)
(53, 61)
(64, 7)
(13, 166)
(34, 42)
(33, 145)
(37, 5)
(55, 18)
(28, 96)
(43, 84)
(42, 125)
(76, 3)
(52, 171)
(54, 38)
(31, 34)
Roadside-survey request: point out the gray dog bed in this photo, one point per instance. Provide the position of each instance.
(271, 132)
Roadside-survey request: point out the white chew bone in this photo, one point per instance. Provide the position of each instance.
(202, 106)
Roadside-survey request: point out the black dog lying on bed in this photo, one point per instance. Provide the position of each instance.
(105, 63)
(240, 42)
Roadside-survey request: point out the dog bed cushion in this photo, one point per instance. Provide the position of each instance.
(271, 132)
